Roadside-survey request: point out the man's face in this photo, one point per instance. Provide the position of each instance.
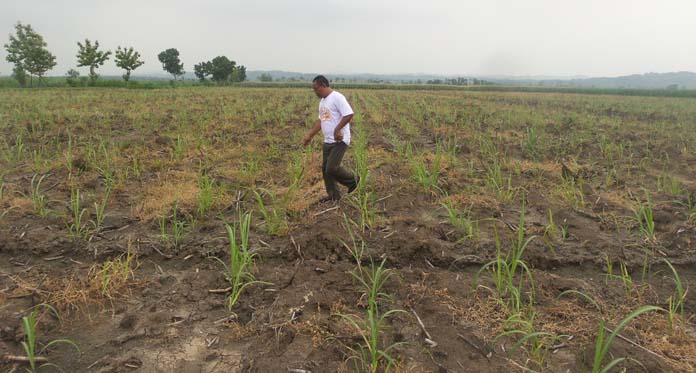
(318, 89)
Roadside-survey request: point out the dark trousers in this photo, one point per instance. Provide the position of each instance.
(332, 171)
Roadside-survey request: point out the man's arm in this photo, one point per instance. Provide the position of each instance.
(338, 136)
(312, 132)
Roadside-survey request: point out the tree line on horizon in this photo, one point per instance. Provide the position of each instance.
(28, 51)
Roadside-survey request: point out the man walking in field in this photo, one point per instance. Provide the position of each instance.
(335, 115)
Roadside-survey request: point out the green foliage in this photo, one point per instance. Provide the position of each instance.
(38, 198)
(427, 177)
(274, 215)
(462, 220)
(127, 59)
(72, 77)
(239, 74)
(498, 183)
(363, 198)
(676, 301)
(221, 70)
(100, 211)
(19, 75)
(531, 142)
(265, 77)
(238, 269)
(171, 63)
(30, 342)
(604, 342)
(178, 226)
(89, 55)
(202, 70)
(206, 195)
(582, 295)
(643, 215)
(114, 273)
(77, 229)
(371, 355)
(176, 223)
(538, 343)
(27, 51)
(506, 270)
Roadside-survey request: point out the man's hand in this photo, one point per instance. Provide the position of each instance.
(306, 140)
(312, 132)
(338, 134)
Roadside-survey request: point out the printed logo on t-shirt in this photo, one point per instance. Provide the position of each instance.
(324, 113)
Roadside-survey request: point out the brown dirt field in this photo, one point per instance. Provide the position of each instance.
(161, 317)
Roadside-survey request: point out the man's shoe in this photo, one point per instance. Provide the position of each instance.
(327, 199)
(354, 186)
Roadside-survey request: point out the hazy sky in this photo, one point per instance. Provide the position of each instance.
(511, 37)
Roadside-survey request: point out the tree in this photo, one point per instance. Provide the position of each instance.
(171, 63)
(265, 77)
(202, 70)
(19, 75)
(221, 69)
(27, 51)
(90, 55)
(73, 77)
(239, 74)
(129, 60)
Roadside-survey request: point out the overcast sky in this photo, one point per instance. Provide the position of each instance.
(482, 37)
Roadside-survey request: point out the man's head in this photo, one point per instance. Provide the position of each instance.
(321, 87)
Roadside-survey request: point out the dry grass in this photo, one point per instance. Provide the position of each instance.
(157, 200)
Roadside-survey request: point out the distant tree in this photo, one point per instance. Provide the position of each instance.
(129, 60)
(73, 77)
(202, 70)
(239, 74)
(20, 75)
(221, 69)
(265, 77)
(27, 51)
(89, 54)
(171, 63)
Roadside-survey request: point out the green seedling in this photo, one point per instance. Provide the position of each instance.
(551, 231)
(274, 217)
(461, 220)
(604, 341)
(178, 227)
(676, 301)
(78, 229)
(100, 212)
(502, 186)
(206, 195)
(38, 198)
(30, 342)
(537, 343)
(643, 215)
(238, 269)
(427, 177)
(670, 185)
(115, 273)
(506, 270)
(371, 355)
(582, 295)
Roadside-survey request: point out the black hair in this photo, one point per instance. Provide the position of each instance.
(321, 80)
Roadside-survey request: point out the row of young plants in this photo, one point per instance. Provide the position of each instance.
(514, 287)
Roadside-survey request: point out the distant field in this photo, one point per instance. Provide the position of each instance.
(139, 83)
(516, 220)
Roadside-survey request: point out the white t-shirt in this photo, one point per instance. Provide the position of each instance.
(332, 109)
